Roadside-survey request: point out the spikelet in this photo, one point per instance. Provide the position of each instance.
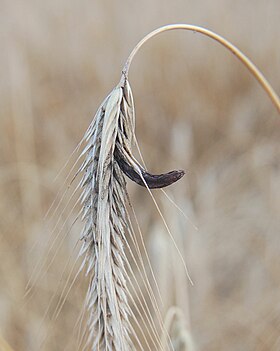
(106, 220)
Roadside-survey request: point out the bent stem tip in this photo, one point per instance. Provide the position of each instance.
(197, 29)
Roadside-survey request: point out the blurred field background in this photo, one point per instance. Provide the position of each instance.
(197, 109)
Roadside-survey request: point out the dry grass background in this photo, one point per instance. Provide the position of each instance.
(197, 109)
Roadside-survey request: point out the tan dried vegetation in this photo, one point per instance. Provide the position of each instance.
(132, 251)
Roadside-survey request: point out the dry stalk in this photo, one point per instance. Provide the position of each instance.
(180, 336)
(221, 40)
(4, 346)
(108, 157)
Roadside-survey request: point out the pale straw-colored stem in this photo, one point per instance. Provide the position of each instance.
(243, 58)
(4, 346)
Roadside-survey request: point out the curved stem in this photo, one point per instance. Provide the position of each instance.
(243, 58)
